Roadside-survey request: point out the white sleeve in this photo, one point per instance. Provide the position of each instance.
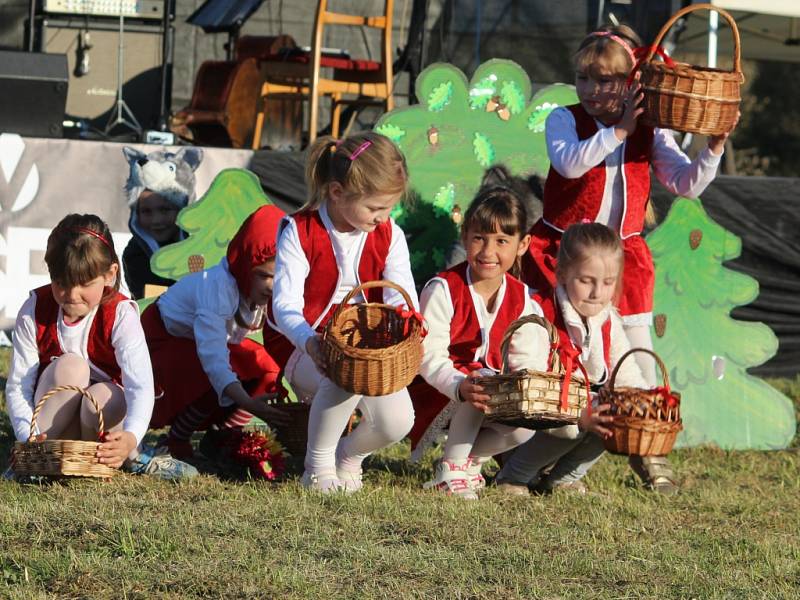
(530, 344)
(211, 335)
(398, 269)
(437, 368)
(130, 350)
(291, 271)
(23, 371)
(629, 375)
(676, 172)
(572, 157)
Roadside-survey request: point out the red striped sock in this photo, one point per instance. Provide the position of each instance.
(238, 418)
(187, 422)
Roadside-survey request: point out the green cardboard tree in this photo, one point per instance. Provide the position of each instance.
(458, 130)
(211, 223)
(707, 351)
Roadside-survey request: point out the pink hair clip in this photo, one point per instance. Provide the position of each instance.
(584, 221)
(358, 151)
(620, 41)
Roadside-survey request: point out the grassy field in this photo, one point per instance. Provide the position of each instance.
(731, 533)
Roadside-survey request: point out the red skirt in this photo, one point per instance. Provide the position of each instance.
(638, 276)
(428, 403)
(179, 374)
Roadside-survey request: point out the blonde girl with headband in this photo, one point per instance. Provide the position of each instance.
(342, 237)
(600, 161)
(79, 330)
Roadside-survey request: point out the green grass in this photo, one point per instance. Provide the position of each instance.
(731, 533)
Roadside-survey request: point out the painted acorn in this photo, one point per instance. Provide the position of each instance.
(695, 237)
(456, 215)
(493, 103)
(503, 113)
(196, 262)
(433, 136)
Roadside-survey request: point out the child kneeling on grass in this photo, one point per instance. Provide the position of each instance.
(590, 330)
(81, 331)
(212, 375)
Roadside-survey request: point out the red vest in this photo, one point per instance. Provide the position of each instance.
(466, 336)
(552, 312)
(568, 201)
(324, 275)
(99, 348)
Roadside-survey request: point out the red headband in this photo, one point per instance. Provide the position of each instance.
(93, 234)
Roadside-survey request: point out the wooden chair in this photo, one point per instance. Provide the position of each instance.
(364, 82)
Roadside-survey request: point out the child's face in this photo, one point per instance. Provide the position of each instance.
(78, 301)
(261, 280)
(601, 93)
(363, 214)
(491, 255)
(591, 284)
(157, 216)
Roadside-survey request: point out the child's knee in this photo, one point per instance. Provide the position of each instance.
(395, 425)
(71, 369)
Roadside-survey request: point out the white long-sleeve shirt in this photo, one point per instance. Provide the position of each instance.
(130, 351)
(202, 306)
(528, 347)
(292, 269)
(572, 158)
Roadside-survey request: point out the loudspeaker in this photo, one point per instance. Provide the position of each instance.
(91, 48)
(34, 91)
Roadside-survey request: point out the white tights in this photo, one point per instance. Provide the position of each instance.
(469, 436)
(384, 420)
(639, 337)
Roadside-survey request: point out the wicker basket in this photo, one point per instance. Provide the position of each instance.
(688, 98)
(371, 348)
(294, 436)
(646, 422)
(532, 399)
(60, 458)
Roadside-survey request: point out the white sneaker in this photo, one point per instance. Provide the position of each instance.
(474, 476)
(325, 483)
(351, 480)
(452, 479)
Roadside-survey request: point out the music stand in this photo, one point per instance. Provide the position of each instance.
(223, 16)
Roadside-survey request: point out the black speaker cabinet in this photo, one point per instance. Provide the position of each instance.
(33, 91)
(92, 48)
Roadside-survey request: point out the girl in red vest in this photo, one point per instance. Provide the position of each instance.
(590, 261)
(600, 160)
(341, 238)
(468, 309)
(213, 376)
(80, 330)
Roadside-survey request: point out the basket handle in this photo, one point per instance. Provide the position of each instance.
(737, 64)
(61, 388)
(659, 362)
(384, 283)
(505, 344)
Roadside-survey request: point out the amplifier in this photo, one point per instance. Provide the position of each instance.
(91, 50)
(134, 9)
(34, 92)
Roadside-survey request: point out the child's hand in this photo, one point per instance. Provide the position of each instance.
(716, 143)
(40, 438)
(469, 391)
(269, 413)
(594, 422)
(631, 109)
(116, 448)
(314, 350)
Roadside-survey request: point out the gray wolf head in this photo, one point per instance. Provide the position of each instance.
(170, 174)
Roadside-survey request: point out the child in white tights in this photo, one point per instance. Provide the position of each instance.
(342, 238)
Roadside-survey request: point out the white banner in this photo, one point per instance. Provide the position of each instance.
(42, 180)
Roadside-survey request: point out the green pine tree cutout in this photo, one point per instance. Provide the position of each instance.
(459, 129)
(211, 222)
(697, 339)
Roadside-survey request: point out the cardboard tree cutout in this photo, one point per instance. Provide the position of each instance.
(211, 223)
(706, 351)
(458, 130)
